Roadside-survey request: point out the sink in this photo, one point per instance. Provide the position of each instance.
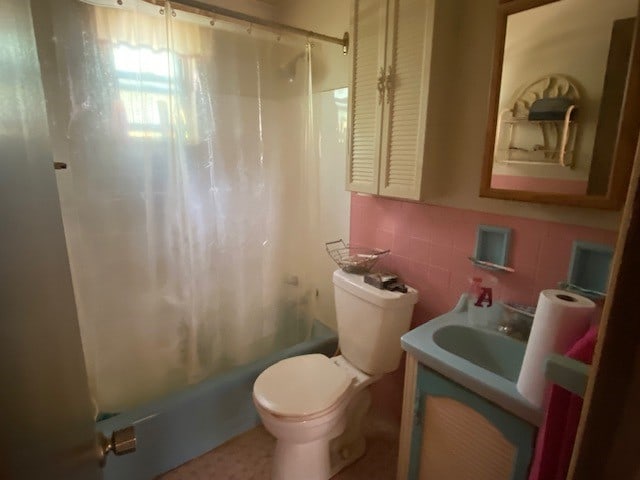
(483, 361)
(492, 351)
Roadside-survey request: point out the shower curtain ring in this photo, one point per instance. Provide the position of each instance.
(250, 29)
(162, 11)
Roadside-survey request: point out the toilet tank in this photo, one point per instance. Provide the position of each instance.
(371, 322)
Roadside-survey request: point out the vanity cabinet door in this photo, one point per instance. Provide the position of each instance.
(450, 432)
(367, 94)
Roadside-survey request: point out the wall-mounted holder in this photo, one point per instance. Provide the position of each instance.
(570, 374)
(545, 110)
(492, 248)
(589, 269)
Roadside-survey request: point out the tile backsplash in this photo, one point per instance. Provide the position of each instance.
(430, 246)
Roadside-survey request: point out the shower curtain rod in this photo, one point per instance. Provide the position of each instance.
(200, 8)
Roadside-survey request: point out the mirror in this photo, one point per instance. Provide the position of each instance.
(563, 125)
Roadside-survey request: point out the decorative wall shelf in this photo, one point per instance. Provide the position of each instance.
(545, 112)
(589, 269)
(492, 248)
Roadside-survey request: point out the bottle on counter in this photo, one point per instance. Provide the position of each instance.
(482, 306)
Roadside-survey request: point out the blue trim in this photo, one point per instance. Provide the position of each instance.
(570, 374)
(590, 265)
(516, 431)
(492, 244)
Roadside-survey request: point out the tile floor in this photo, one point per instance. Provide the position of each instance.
(248, 457)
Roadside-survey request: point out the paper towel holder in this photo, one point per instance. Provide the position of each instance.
(569, 373)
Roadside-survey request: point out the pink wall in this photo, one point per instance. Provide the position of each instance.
(537, 184)
(430, 245)
(429, 249)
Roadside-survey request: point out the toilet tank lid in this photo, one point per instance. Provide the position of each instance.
(301, 386)
(355, 285)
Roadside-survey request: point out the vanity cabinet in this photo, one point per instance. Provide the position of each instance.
(401, 51)
(451, 432)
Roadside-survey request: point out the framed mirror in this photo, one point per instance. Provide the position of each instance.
(564, 103)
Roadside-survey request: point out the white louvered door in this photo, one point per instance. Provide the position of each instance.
(408, 57)
(367, 99)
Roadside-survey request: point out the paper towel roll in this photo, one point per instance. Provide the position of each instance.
(561, 318)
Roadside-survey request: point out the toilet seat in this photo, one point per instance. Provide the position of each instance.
(302, 387)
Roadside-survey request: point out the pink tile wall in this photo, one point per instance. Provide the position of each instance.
(430, 245)
(429, 249)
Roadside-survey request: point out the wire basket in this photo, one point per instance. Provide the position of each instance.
(353, 259)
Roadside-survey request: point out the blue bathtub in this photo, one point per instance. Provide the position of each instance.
(186, 424)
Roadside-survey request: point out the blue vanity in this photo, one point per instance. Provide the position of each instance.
(462, 414)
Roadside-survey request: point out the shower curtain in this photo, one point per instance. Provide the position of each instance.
(189, 190)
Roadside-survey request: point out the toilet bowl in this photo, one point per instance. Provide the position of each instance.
(303, 402)
(315, 405)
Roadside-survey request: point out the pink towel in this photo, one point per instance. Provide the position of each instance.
(557, 434)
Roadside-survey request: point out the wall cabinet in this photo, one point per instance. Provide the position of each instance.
(399, 70)
(450, 432)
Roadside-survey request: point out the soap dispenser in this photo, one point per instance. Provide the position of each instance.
(482, 306)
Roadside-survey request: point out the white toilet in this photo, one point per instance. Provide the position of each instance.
(315, 405)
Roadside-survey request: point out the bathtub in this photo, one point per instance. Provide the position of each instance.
(188, 423)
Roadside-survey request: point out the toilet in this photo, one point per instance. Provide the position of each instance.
(314, 405)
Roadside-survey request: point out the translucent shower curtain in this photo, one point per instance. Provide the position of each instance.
(188, 193)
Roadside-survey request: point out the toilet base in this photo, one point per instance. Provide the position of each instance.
(302, 449)
(350, 445)
(321, 459)
(342, 459)
(301, 460)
